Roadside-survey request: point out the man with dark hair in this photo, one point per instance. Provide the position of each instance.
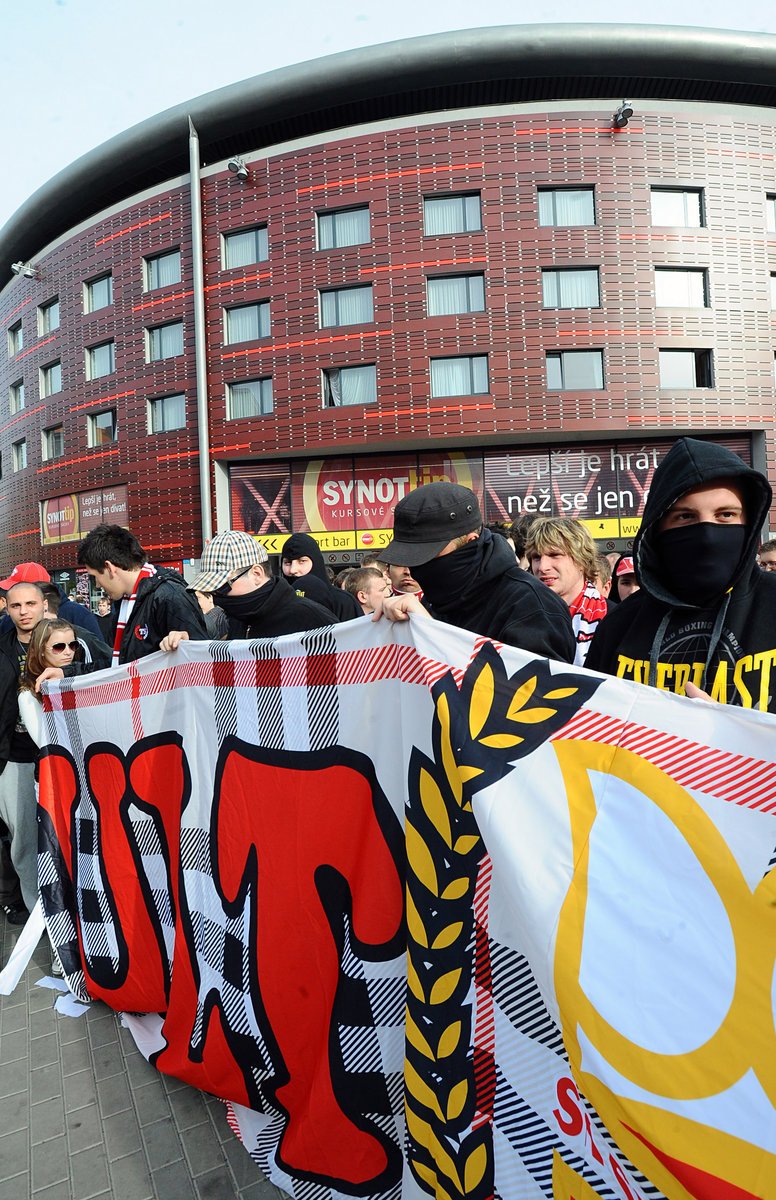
(701, 622)
(234, 569)
(767, 556)
(469, 576)
(153, 600)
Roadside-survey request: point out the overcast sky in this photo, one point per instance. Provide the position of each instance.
(76, 72)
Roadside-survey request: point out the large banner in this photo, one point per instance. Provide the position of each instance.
(434, 917)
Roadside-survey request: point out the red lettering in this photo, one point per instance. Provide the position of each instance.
(593, 1148)
(619, 1175)
(568, 1099)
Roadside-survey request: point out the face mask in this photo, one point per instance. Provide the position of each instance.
(242, 608)
(698, 561)
(446, 578)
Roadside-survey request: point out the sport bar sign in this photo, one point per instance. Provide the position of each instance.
(69, 518)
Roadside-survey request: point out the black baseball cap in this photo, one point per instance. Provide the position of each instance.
(427, 519)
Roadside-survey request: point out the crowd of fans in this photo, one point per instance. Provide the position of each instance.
(688, 609)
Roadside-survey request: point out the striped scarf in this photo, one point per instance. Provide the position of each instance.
(586, 611)
(147, 571)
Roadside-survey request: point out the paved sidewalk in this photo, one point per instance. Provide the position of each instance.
(84, 1116)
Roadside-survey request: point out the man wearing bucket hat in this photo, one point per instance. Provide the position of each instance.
(470, 578)
(234, 570)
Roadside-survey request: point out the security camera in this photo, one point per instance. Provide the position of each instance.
(622, 116)
(238, 168)
(23, 268)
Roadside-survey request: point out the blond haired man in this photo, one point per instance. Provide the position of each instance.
(563, 556)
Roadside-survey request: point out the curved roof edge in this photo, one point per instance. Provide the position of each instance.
(496, 65)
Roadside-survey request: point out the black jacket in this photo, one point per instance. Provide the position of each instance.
(727, 647)
(275, 609)
(500, 600)
(315, 585)
(162, 604)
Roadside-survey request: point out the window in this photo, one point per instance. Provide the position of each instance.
(162, 270)
(345, 227)
(575, 370)
(677, 206)
(98, 293)
(100, 360)
(101, 428)
(246, 247)
(166, 413)
(19, 455)
(570, 289)
(452, 214)
(53, 442)
(773, 290)
(686, 369)
(51, 379)
(566, 206)
(246, 322)
(459, 376)
(346, 306)
(680, 289)
(770, 212)
(165, 341)
(15, 339)
(455, 294)
(343, 386)
(48, 317)
(16, 397)
(249, 398)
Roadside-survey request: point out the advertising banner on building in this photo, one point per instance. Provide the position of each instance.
(347, 503)
(69, 518)
(435, 919)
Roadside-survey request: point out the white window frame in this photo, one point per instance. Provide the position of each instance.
(472, 360)
(262, 318)
(151, 259)
(462, 226)
(339, 293)
(19, 450)
(44, 318)
(702, 363)
(156, 404)
(15, 338)
(229, 236)
(662, 274)
(563, 360)
(333, 381)
(90, 353)
(16, 397)
(555, 277)
(45, 388)
(149, 338)
(241, 383)
(46, 440)
(554, 193)
(685, 192)
(91, 428)
(472, 282)
(340, 240)
(88, 292)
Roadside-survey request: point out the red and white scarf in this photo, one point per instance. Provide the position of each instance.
(125, 612)
(586, 611)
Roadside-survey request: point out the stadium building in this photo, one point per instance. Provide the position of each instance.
(524, 258)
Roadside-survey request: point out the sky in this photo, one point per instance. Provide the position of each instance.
(76, 72)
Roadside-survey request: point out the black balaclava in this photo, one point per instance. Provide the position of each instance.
(448, 576)
(714, 552)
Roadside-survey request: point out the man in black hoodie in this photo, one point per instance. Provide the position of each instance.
(470, 576)
(702, 621)
(234, 570)
(305, 570)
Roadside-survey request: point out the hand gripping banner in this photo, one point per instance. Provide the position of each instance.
(432, 916)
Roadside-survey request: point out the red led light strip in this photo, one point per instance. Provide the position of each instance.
(26, 413)
(68, 462)
(422, 266)
(446, 168)
(325, 341)
(131, 228)
(101, 400)
(37, 346)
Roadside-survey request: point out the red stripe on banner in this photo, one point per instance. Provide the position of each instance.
(748, 782)
(484, 1040)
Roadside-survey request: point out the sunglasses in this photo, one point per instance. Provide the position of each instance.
(58, 647)
(226, 588)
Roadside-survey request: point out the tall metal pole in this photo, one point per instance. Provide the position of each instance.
(200, 338)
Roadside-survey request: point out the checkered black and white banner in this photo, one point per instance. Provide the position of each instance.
(432, 916)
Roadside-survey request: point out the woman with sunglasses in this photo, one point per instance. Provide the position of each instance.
(53, 644)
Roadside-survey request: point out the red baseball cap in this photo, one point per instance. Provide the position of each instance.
(25, 573)
(624, 567)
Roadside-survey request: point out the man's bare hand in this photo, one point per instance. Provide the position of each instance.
(398, 608)
(49, 673)
(695, 693)
(173, 639)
